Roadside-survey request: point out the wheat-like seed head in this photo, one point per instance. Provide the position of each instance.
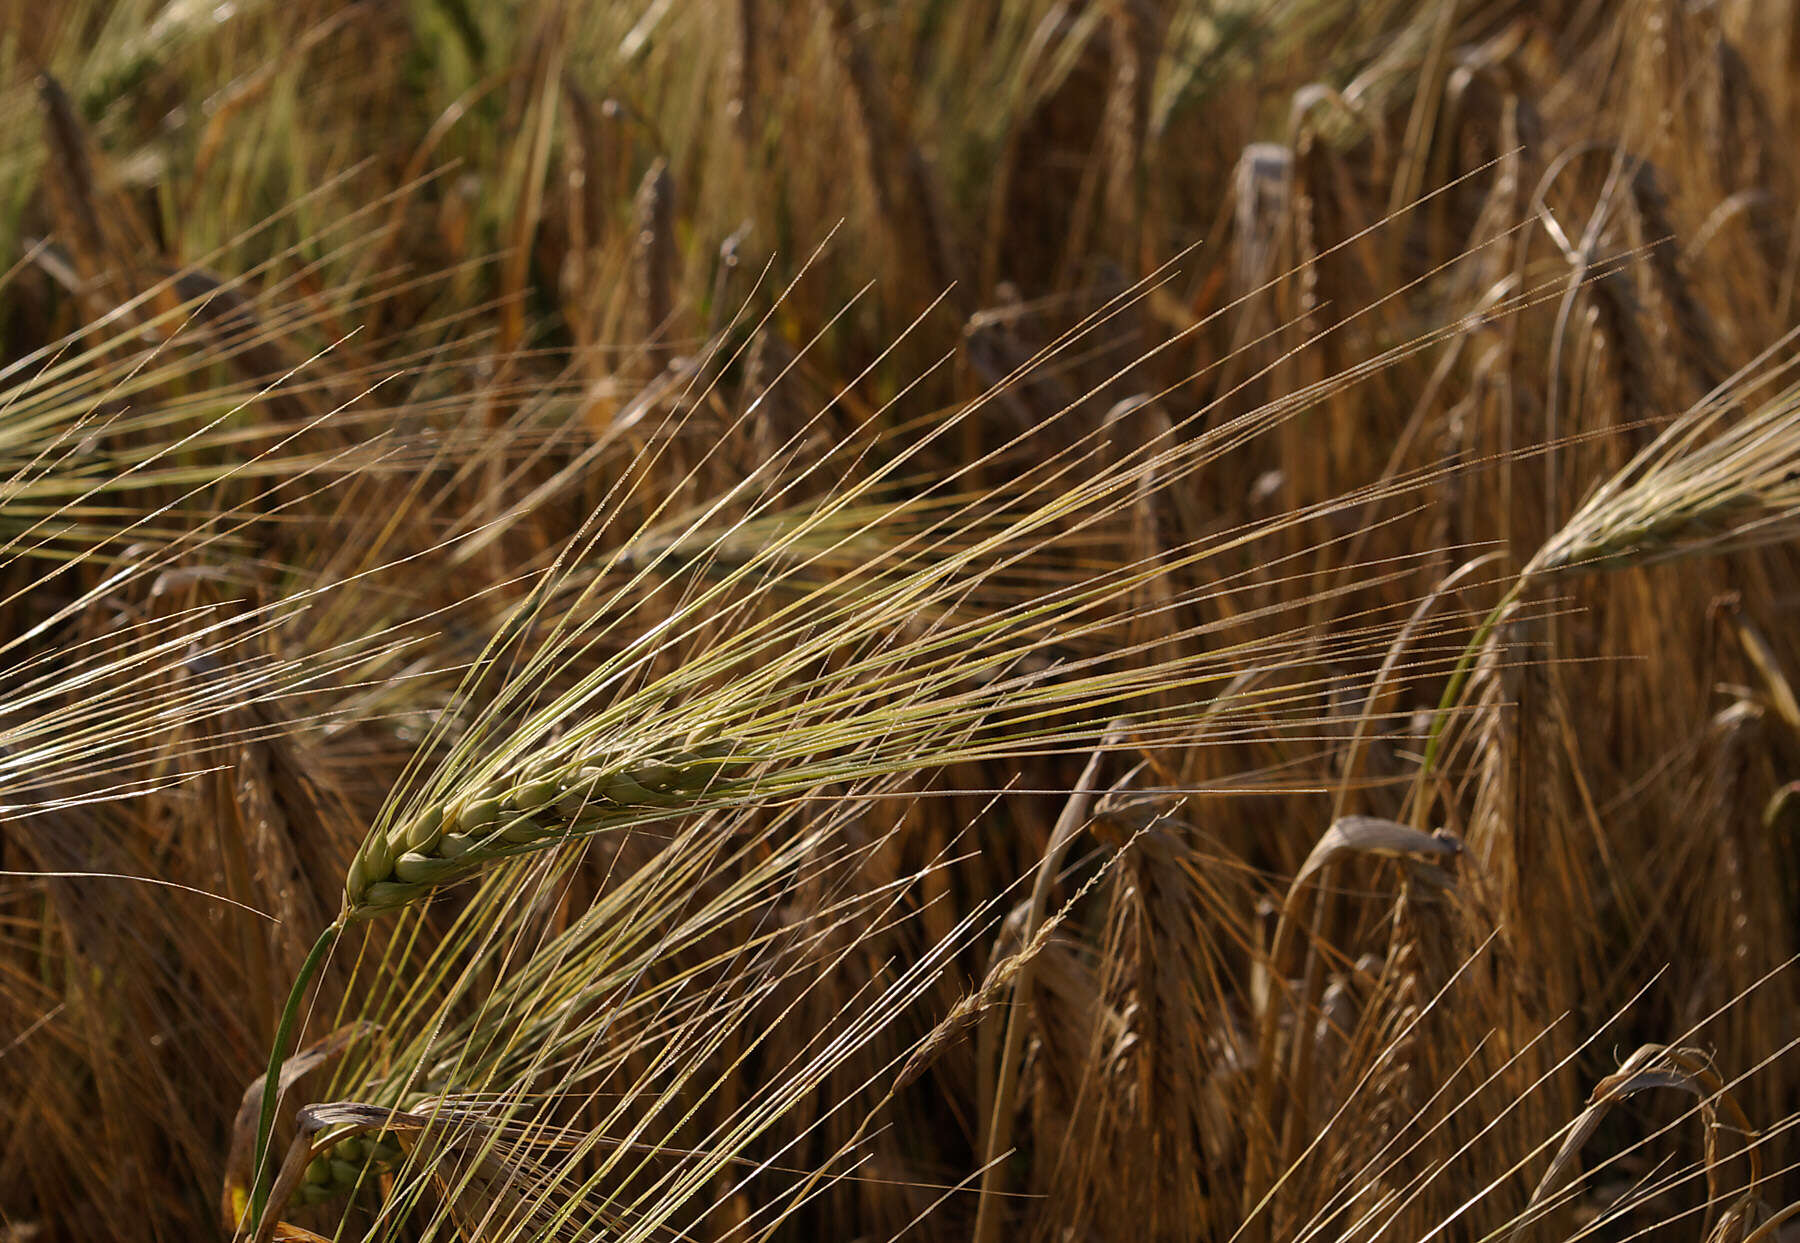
(1694, 491)
(533, 805)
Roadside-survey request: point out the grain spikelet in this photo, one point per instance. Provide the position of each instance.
(1704, 486)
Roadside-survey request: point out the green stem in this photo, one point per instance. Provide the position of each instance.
(1453, 692)
(265, 1127)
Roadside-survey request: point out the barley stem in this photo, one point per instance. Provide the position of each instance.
(265, 1127)
(1459, 676)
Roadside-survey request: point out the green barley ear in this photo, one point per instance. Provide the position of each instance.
(531, 805)
(525, 805)
(1702, 487)
(1698, 489)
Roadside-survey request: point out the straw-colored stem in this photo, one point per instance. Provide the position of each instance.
(997, 1120)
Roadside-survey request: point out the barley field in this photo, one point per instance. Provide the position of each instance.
(1045, 620)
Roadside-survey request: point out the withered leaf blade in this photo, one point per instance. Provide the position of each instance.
(235, 1202)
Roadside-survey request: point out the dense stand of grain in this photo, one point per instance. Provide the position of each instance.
(1014, 619)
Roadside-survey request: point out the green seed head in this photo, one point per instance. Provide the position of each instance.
(538, 802)
(580, 792)
(356, 880)
(695, 773)
(523, 829)
(426, 828)
(478, 814)
(533, 795)
(385, 895)
(377, 856)
(625, 790)
(414, 868)
(656, 776)
(731, 763)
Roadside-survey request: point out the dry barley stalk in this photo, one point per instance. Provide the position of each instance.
(653, 262)
(1652, 1066)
